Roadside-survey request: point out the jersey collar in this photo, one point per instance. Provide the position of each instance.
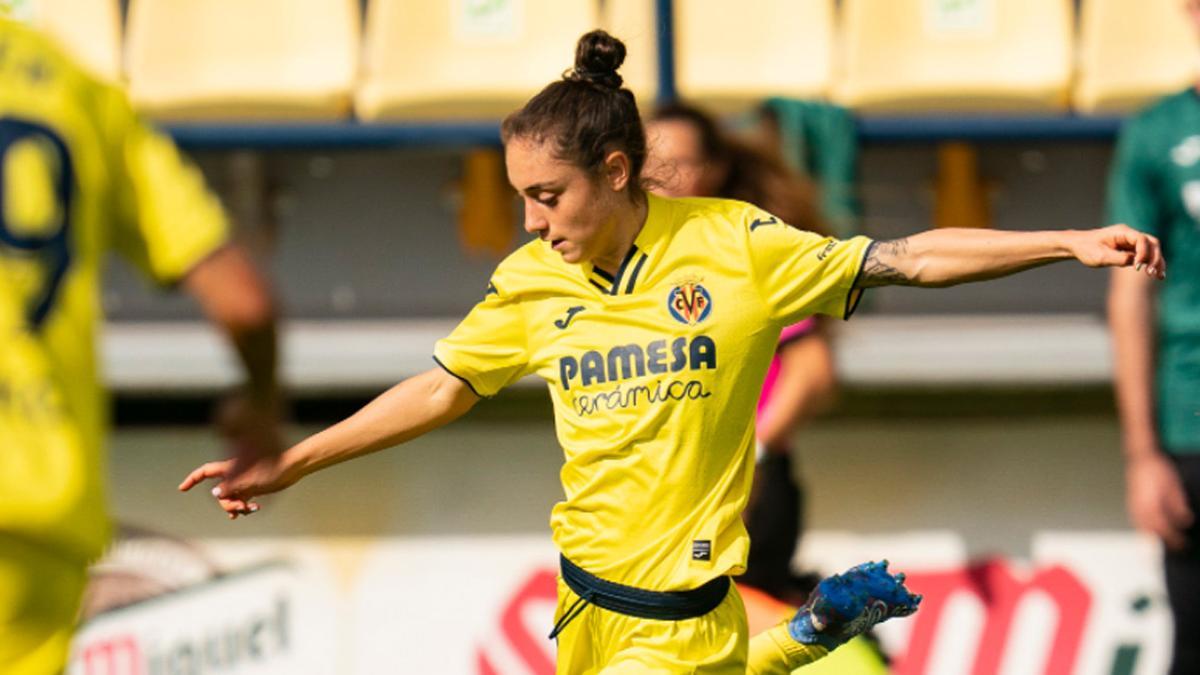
(633, 266)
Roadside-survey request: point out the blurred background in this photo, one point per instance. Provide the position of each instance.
(356, 146)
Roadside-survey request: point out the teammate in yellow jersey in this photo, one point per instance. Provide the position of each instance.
(80, 175)
(652, 322)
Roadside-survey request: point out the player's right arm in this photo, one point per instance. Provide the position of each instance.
(484, 353)
(414, 407)
(1155, 498)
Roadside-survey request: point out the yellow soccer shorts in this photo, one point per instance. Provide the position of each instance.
(599, 641)
(40, 593)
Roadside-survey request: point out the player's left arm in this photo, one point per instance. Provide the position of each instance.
(168, 223)
(236, 297)
(841, 608)
(939, 258)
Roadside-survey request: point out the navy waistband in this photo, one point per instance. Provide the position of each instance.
(631, 601)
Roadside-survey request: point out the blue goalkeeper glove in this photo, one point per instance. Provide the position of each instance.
(847, 605)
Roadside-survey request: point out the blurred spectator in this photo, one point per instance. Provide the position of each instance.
(1154, 187)
(80, 174)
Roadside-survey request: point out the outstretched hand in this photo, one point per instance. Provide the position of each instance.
(846, 605)
(1120, 246)
(241, 481)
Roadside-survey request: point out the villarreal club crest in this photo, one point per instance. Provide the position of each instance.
(689, 303)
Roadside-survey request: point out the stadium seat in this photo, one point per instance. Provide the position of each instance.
(731, 55)
(465, 60)
(956, 55)
(88, 29)
(1132, 51)
(634, 23)
(235, 59)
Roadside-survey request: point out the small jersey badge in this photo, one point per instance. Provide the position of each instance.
(689, 303)
(702, 549)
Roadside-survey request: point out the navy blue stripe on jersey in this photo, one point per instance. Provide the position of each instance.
(855, 294)
(633, 250)
(464, 380)
(633, 277)
(603, 275)
(598, 285)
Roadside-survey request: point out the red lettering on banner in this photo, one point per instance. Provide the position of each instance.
(1000, 592)
(483, 666)
(540, 587)
(106, 657)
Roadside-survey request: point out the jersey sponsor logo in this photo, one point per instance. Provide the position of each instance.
(689, 303)
(702, 549)
(633, 395)
(624, 362)
(562, 323)
(763, 222)
(1187, 153)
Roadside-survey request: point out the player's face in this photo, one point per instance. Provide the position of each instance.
(676, 160)
(567, 207)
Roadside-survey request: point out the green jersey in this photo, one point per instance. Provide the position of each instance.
(1155, 187)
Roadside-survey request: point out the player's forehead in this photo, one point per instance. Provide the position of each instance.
(531, 164)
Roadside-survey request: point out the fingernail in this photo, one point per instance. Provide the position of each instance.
(253, 508)
(216, 492)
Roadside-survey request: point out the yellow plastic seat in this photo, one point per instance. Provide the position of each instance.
(242, 59)
(88, 29)
(1132, 51)
(465, 60)
(956, 55)
(733, 54)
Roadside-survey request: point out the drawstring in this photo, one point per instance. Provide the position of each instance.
(569, 615)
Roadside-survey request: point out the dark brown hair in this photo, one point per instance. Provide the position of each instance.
(586, 114)
(752, 174)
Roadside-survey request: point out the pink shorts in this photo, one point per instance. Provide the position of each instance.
(790, 334)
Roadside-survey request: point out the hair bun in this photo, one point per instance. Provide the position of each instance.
(597, 57)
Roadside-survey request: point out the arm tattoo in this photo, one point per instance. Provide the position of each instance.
(879, 267)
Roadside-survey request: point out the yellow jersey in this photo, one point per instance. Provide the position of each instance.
(80, 175)
(654, 373)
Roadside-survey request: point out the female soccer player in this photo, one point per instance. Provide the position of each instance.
(653, 322)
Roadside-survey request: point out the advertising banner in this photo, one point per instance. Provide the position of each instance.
(1082, 604)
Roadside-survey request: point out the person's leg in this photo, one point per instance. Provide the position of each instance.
(774, 519)
(714, 644)
(1183, 579)
(39, 600)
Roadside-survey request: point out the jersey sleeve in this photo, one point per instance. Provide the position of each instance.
(800, 273)
(1133, 196)
(166, 220)
(487, 350)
